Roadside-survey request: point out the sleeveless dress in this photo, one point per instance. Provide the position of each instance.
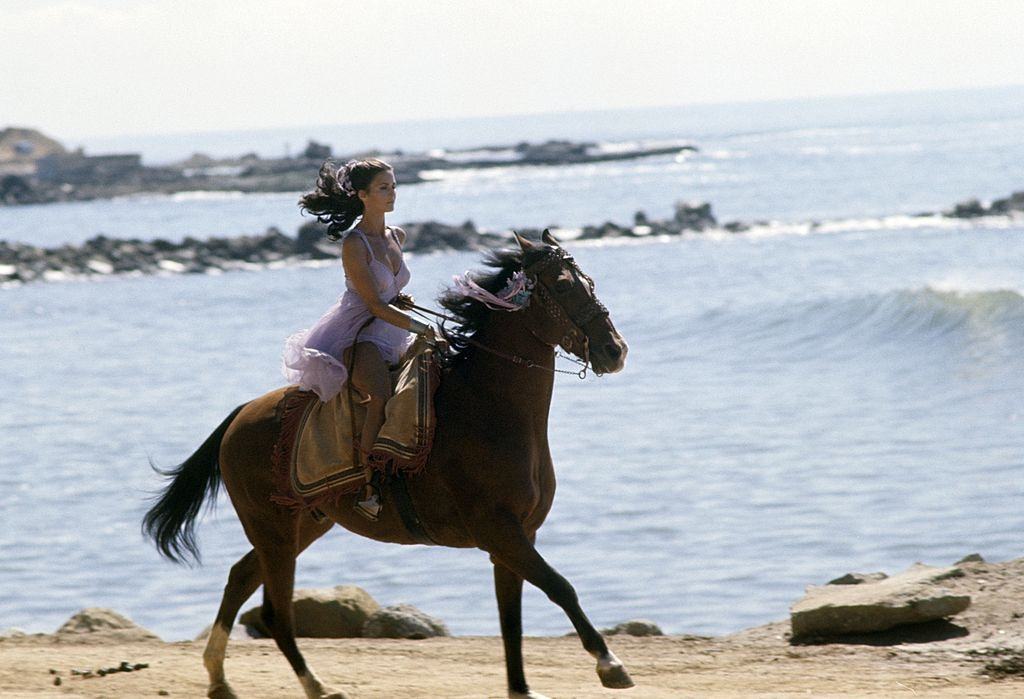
(314, 358)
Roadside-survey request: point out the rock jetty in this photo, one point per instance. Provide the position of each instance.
(100, 256)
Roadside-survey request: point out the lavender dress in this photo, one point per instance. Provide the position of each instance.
(314, 358)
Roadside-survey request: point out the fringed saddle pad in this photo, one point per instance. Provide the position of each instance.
(313, 457)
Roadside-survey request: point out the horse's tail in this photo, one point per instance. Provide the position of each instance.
(171, 522)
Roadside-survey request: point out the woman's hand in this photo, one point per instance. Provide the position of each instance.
(404, 301)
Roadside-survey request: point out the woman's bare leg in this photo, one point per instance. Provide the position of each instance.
(371, 380)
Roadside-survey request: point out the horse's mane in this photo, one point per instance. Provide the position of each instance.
(471, 315)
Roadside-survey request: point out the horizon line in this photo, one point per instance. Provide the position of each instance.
(553, 113)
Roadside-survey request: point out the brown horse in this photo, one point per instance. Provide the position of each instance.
(489, 482)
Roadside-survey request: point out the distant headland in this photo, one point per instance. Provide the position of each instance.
(38, 169)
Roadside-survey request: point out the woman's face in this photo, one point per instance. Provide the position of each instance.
(379, 197)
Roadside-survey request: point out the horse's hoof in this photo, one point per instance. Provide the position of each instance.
(221, 690)
(332, 693)
(614, 676)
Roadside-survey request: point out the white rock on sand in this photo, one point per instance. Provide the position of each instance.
(911, 597)
(93, 622)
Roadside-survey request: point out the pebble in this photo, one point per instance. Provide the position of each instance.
(125, 666)
(57, 681)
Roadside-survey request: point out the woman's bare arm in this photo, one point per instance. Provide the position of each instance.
(354, 257)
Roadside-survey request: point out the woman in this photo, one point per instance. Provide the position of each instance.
(361, 330)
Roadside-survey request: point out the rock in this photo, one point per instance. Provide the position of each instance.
(98, 620)
(430, 236)
(309, 236)
(605, 230)
(13, 632)
(736, 226)
(858, 579)
(634, 627)
(338, 612)
(1014, 202)
(316, 151)
(403, 621)
(972, 208)
(971, 558)
(695, 216)
(908, 598)
(16, 190)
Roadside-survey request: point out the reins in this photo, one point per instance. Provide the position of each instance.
(515, 359)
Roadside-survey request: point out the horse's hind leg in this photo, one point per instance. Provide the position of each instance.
(243, 580)
(509, 545)
(278, 566)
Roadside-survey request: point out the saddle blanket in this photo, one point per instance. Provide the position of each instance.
(314, 458)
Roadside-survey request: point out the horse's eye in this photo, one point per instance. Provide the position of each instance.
(563, 285)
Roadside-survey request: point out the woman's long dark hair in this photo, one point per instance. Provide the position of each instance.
(329, 202)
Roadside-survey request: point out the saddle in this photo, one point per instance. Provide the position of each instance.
(314, 459)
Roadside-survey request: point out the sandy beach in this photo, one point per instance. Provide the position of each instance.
(472, 667)
(979, 653)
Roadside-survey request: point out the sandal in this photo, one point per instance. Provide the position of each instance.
(369, 505)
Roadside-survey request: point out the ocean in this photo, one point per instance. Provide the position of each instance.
(837, 390)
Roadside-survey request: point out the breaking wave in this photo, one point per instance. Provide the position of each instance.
(923, 318)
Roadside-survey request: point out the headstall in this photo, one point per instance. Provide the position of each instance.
(592, 309)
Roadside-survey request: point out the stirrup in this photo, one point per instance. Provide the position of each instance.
(370, 506)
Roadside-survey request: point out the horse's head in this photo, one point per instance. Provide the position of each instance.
(564, 309)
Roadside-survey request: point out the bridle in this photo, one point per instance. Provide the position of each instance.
(575, 335)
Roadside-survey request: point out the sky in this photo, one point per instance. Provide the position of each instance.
(108, 67)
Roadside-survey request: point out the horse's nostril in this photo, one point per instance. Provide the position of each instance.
(613, 350)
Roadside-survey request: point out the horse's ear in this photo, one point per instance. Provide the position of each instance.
(524, 244)
(550, 239)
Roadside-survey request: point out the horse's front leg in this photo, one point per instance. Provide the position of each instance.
(508, 587)
(510, 548)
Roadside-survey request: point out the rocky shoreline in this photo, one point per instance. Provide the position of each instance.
(102, 256)
(922, 602)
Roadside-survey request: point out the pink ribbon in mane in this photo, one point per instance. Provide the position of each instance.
(513, 297)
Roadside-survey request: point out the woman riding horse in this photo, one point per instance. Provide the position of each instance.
(489, 481)
(361, 330)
